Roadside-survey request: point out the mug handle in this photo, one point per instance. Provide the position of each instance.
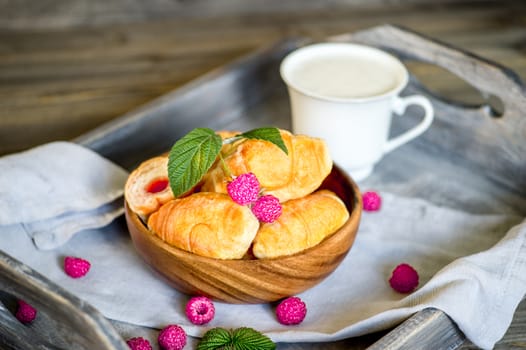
(400, 105)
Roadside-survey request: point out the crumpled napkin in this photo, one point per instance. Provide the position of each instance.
(473, 267)
(58, 189)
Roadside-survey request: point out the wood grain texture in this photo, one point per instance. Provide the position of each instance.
(60, 314)
(64, 13)
(57, 83)
(437, 326)
(249, 281)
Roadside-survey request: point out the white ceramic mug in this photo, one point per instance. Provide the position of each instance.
(346, 93)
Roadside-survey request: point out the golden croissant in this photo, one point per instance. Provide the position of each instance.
(304, 223)
(147, 187)
(207, 224)
(285, 176)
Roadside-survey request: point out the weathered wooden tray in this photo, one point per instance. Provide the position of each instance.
(467, 148)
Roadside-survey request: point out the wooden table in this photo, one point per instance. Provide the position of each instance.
(67, 67)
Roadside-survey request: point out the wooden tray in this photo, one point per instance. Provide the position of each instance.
(468, 148)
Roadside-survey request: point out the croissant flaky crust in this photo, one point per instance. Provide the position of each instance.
(284, 176)
(207, 224)
(147, 186)
(304, 222)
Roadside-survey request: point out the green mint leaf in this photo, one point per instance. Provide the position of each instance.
(249, 339)
(240, 339)
(267, 134)
(215, 339)
(191, 157)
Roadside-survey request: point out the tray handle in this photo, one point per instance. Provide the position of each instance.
(63, 321)
(494, 146)
(428, 326)
(483, 74)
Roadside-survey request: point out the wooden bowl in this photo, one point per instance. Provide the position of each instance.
(258, 280)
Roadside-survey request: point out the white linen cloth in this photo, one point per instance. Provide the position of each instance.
(473, 267)
(58, 189)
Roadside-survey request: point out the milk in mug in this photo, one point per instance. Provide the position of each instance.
(346, 94)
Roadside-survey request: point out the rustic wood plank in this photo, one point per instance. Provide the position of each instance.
(62, 13)
(61, 314)
(52, 79)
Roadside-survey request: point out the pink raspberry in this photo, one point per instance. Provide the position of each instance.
(404, 278)
(25, 312)
(200, 310)
(139, 343)
(244, 189)
(172, 337)
(267, 208)
(291, 311)
(371, 201)
(76, 267)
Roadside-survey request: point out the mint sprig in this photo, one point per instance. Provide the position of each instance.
(243, 338)
(195, 153)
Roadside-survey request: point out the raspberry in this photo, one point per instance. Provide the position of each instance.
(244, 189)
(291, 311)
(139, 343)
(25, 312)
(172, 337)
(200, 310)
(76, 267)
(404, 278)
(371, 201)
(267, 208)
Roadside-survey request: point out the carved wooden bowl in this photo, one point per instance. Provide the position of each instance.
(258, 280)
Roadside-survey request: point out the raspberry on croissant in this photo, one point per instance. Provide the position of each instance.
(284, 176)
(207, 224)
(304, 222)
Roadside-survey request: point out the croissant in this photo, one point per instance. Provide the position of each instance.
(304, 222)
(207, 224)
(147, 187)
(285, 176)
